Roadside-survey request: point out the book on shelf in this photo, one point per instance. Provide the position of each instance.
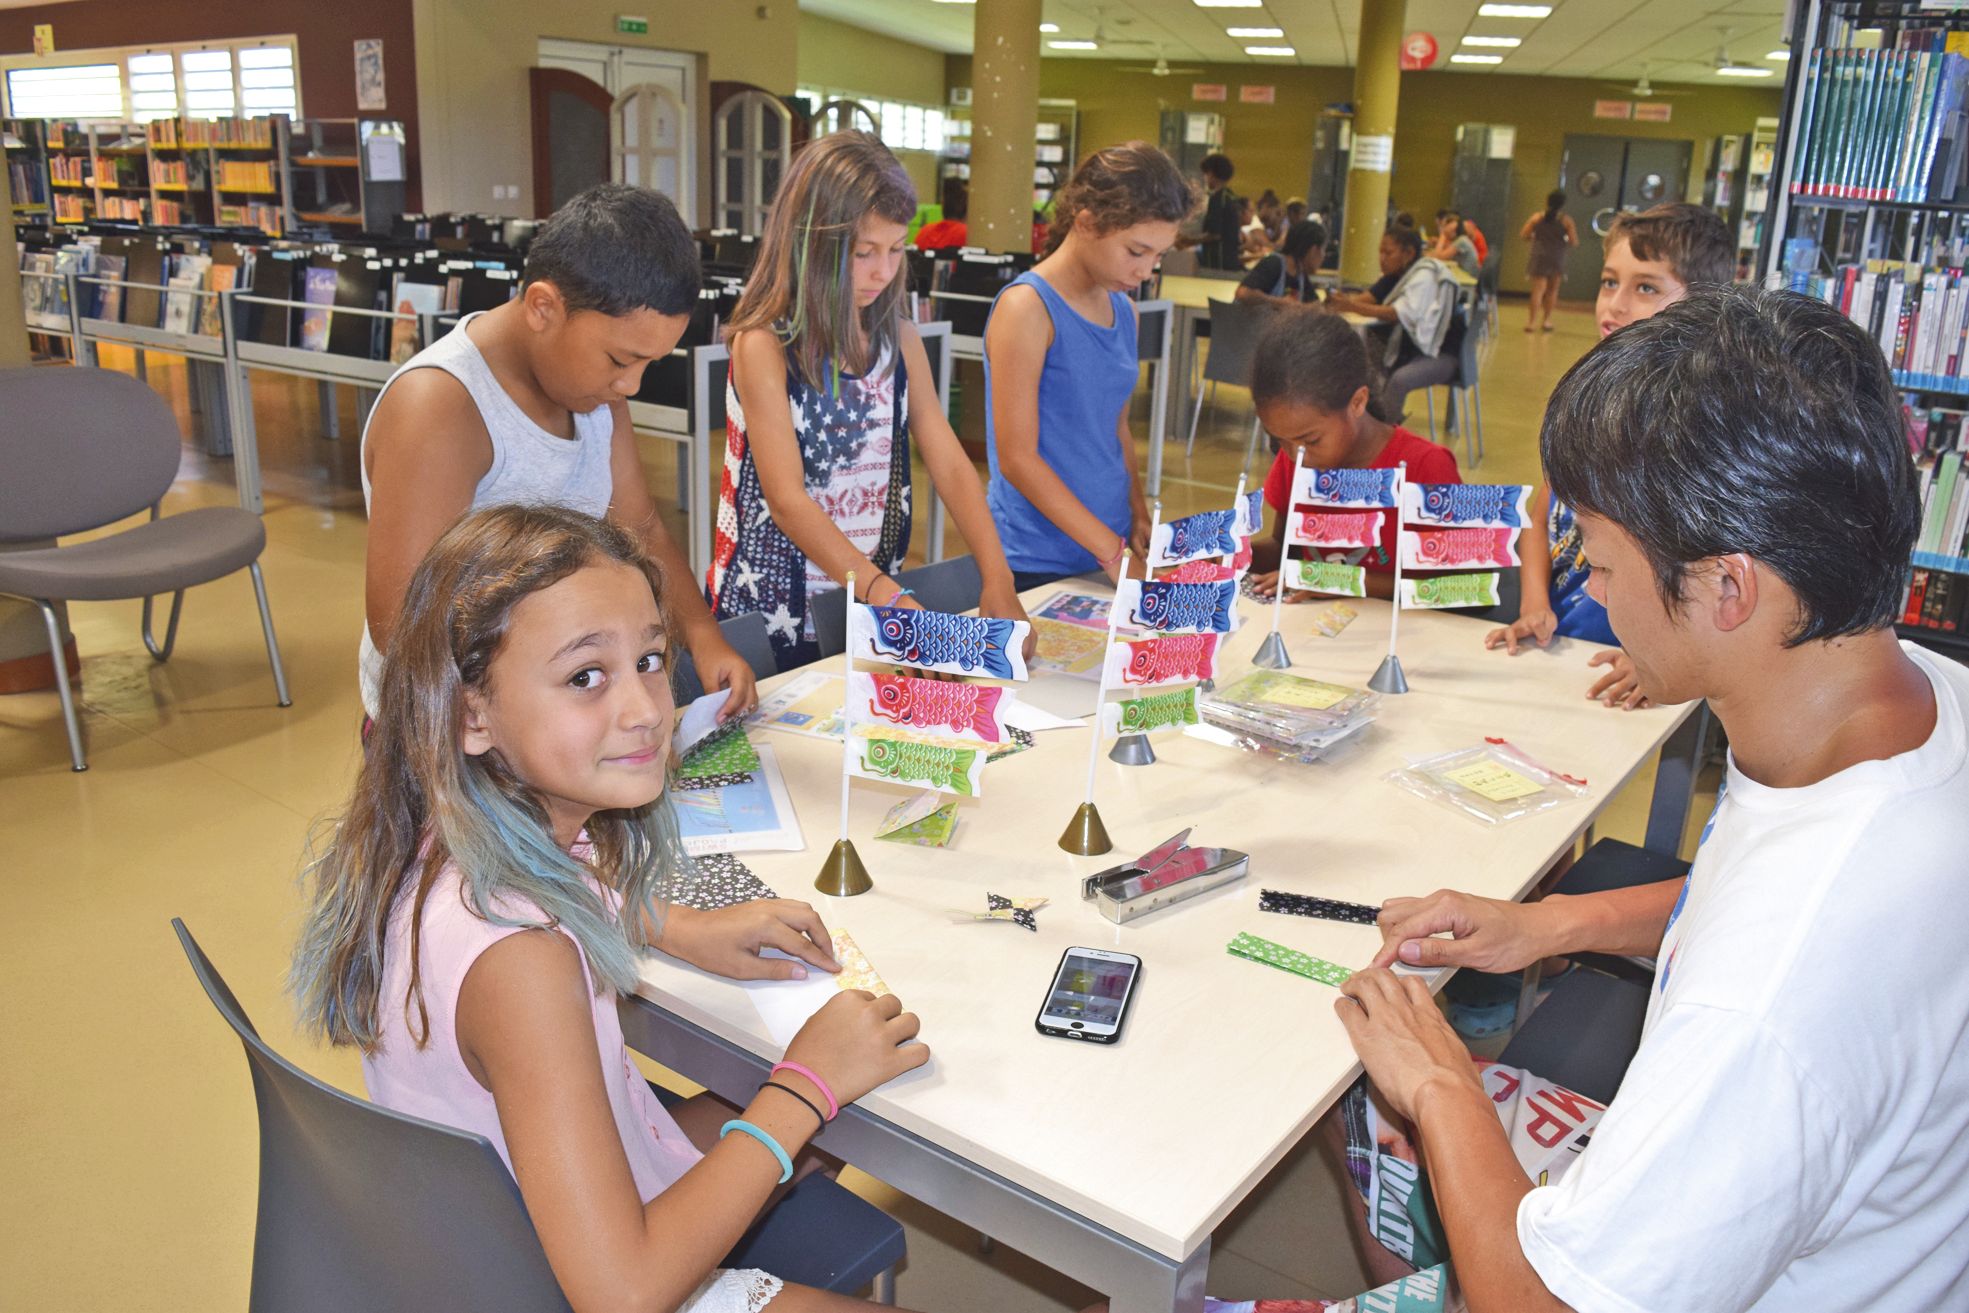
(220, 278)
(319, 294)
(1935, 600)
(411, 298)
(107, 302)
(246, 175)
(181, 303)
(1884, 125)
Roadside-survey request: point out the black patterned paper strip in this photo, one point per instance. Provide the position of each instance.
(717, 781)
(720, 880)
(1327, 909)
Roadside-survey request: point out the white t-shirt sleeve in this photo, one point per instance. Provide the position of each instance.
(1713, 1170)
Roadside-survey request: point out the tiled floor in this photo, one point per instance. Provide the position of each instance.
(130, 1133)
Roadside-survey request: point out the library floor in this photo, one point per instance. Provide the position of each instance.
(130, 1128)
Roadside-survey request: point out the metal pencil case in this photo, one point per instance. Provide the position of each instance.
(1162, 877)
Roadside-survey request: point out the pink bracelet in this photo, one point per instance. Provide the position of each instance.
(833, 1104)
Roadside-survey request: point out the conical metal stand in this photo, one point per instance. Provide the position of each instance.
(1085, 835)
(1388, 676)
(842, 874)
(1271, 653)
(1132, 750)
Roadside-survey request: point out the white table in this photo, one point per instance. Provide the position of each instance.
(1113, 1165)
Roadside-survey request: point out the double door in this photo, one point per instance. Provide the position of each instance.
(1602, 176)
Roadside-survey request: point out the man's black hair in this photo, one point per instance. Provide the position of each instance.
(1741, 420)
(1304, 236)
(617, 249)
(1217, 165)
(1405, 236)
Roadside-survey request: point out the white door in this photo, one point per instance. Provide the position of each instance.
(621, 68)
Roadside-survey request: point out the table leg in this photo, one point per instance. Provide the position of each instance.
(331, 414)
(1137, 1279)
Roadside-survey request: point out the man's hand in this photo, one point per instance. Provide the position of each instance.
(1531, 627)
(1003, 602)
(727, 942)
(1403, 1040)
(1620, 686)
(1487, 933)
(720, 666)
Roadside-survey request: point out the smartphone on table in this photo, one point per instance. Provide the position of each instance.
(1090, 995)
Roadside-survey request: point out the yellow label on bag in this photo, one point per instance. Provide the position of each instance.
(1496, 782)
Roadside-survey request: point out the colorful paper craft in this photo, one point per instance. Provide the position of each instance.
(1361, 488)
(940, 766)
(1254, 949)
(1249, 515)
(1019, 911)
(1206, 533)
(1170, 659)
(726, 755)
(1437, 592)
(1459, 548)
(856, 973)
(1202, 571)
(1311, 576)
(907, 823)
(936, 640)
(1335, 618)
(1327, 909)
(1497, 505)
(1171, 608)
(719, 880)
(1336, 528)
(938, 707)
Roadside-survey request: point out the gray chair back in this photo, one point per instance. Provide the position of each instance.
(1466, 353)
(954, 585)
(747, 635)
(829, 612)
(1487, 275)
(1234, 330)
(361, 1207)
(80, 448)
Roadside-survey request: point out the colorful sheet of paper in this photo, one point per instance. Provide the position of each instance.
(1068, 648)
(1335, 528)
(1337, 577)
(1435, 592)
(1083, 609)
(1171, 608)
(1498, 505)
(937, 707)
(1285, 689)
(1328, 909)
(1146, 715)
(1206, 533)
(1493, 780)
(907, 822)
(724, 755)
(720, 880)
(980, 646)
(1170, 659)
(1255, 949)
(898, 760)
(756, 816)
(1459, 548)
(1346, 487)
(785, 1005)
(1335, 619)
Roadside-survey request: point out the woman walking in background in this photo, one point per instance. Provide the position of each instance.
(1552, 236)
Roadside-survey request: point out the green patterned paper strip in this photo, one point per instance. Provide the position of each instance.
(1450, 590)
(1254, 949)
(727, 752)
(1329, 577)
(943, 768)
(1159, 711)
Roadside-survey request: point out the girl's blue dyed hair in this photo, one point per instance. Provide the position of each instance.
(421, 803)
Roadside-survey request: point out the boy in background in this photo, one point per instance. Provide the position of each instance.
(1653, 259)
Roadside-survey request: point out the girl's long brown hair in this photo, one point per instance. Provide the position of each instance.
(802, 287)
(1120, 187)
(421, 803)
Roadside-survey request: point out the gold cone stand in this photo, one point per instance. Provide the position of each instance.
(843, 875)
(1085, 834)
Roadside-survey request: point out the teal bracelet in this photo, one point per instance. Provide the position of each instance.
(785, 1163)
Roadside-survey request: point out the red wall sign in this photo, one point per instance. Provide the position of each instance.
(1206, 91)
(1251, 95)
(1418, 50)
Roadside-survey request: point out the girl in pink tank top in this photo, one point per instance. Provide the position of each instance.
(506, 857)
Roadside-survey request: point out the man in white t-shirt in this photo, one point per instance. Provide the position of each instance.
(1793, 1133)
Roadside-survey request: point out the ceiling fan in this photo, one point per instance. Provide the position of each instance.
(1104, 39)
(1161, 69)
(1644, 89)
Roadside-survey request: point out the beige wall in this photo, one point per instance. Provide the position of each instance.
(878, 67)
(1272, 144)
(472, 61)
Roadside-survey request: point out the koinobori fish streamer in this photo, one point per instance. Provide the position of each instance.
(1449, 590)
(1459, 548)
(1346, 487)
(1337, 577)
(1250, 516)
(1169, 607)
(1492, 505)
(1158, 711)
(1206, 533)
(1171, 659)
(931, 706)
(939, 766)
(1335, 528)
(936, 640)
(1206, 570)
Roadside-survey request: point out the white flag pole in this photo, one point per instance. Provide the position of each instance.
(843, 874)
(1271, 653)
(1388, 677)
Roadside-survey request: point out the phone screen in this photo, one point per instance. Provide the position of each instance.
(1089, 991)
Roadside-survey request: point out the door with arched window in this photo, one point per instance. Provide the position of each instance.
(846, 115)
(646, 140)
(752, 142)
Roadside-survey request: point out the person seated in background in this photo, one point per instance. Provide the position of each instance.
(1470, 230)
(1271, 213)
(1415, 298)
(951, 230)
(1253, 244)
(1453, 244)
(1295, 210)
(1287, 274)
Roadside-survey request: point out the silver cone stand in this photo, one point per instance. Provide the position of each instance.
(1271, 653)
(1132, 750)
(1388, 676)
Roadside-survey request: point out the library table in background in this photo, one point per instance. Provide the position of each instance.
(1113, 1164)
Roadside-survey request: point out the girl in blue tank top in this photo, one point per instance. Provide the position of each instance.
(1061, 365)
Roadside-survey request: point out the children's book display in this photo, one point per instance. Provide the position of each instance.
(1163, 634)
(902, 728)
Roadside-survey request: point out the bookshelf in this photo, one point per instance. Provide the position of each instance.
(1055, 151)
(27, 171)
(1869, 210)
(345, 176)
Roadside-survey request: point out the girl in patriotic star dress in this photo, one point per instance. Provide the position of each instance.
(828, 381)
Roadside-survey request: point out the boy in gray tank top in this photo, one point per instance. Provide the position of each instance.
(529, 403)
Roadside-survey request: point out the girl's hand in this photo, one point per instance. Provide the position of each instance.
(1266, 585)
(720, 666)
(1533, 626)
(1003, 602)
(726, 942)
(1620, 686)
(857, 1042)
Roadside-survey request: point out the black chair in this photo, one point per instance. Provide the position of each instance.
(747, 635)
(365, 1208)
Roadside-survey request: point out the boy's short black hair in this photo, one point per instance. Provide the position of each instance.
(1691, 240)
(617, 249)
(1217, 165)
(1741, 420)
(1303, 235)
(1405, 236)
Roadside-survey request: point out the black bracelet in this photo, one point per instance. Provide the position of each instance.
(788, 1089)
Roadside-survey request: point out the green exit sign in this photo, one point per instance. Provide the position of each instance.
(632, 24)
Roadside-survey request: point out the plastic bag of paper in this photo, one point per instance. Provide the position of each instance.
(1494, 782)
